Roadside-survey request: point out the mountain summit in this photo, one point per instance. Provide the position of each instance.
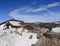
(18, 33)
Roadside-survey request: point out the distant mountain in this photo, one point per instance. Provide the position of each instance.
(58, 22)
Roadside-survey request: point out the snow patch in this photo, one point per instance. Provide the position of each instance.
(56, 29)
(2, 27)
(15, 23)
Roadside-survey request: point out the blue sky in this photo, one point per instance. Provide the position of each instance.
(30, 10)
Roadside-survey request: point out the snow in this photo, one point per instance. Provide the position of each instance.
(15, 23)
(2, 27)
(13, 39)
(56, 29)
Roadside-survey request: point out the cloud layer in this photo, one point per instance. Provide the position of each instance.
(28, 14)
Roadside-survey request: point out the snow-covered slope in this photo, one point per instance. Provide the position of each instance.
(18, 33)
(16, 36)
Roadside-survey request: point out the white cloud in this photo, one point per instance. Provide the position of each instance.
(42, 8)
(21, 14)
(53, 5)
(36, 18)
(52, 13)
(47, 6)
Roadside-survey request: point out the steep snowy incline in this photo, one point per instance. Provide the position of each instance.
(15, 37)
